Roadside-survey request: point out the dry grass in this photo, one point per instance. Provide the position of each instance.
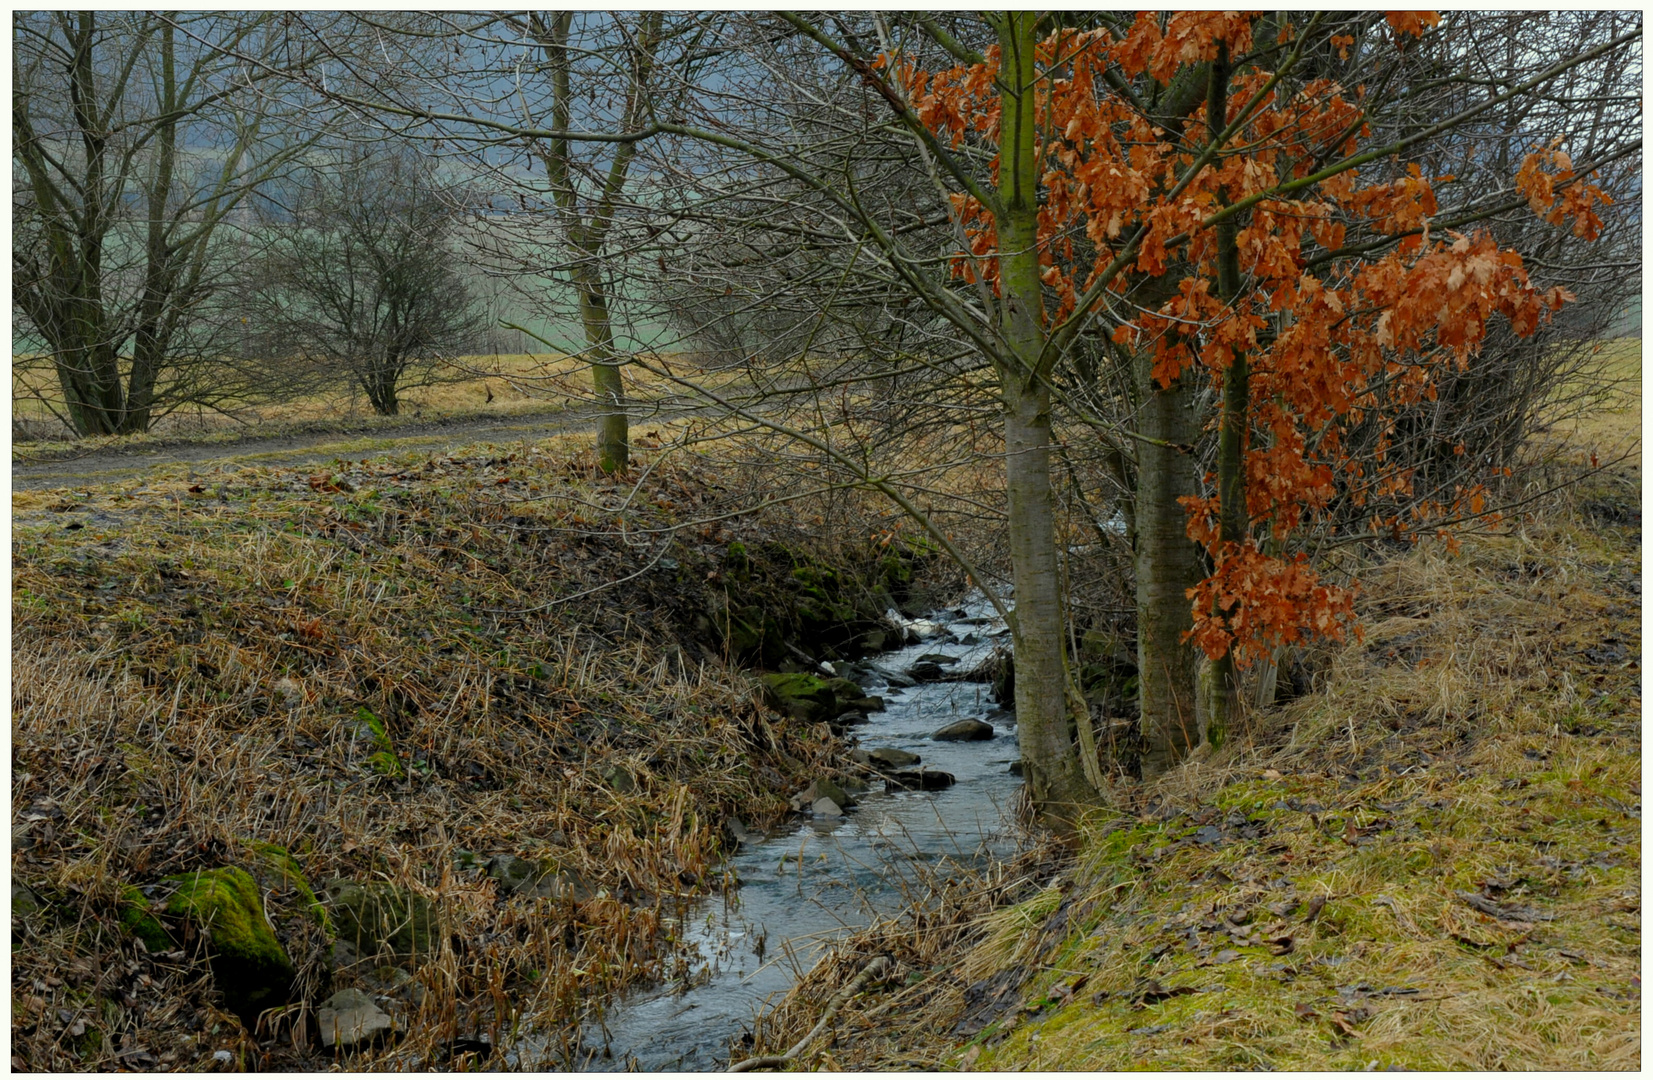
(1302, 899)
(468, 387)
(189, 662)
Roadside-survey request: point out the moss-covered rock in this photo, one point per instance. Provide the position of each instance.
(138, 919)
(275, 868)
(801, 696)
(376, 916)
(249, 965)
(383, 759)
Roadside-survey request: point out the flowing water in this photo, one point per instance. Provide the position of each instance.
(811, 881)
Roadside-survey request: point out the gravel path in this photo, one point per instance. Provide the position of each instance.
(108, 465)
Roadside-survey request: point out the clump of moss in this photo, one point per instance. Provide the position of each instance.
(249, 965)
(383, 760)
(137, 919)
(277, 863)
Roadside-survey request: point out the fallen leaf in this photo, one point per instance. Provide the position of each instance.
(1515, 913)
(1305, 1011)
(1154, 992)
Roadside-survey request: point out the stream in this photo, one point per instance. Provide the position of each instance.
(815, 879)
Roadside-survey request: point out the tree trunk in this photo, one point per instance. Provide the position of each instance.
(1053, 765)
(1167, 566)
(1233, 519)
(1058, 774)
(613, 426)
(150, 342)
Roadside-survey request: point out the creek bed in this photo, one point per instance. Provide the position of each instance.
(816, 879)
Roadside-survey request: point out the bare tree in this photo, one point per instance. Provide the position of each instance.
(574, 94)
(135, 138)
(362, 276)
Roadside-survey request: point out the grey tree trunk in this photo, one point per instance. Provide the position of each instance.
(1234, 521)
(1167, 566)
(613, 438)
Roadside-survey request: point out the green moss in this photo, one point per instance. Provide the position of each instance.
(384, 760)
(280, 864)
(801, 695)
(248, 963)
(137, 919)
(90, 1044)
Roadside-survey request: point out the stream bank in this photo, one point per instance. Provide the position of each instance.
(1429, 860)
(798, 887)
(426, 690)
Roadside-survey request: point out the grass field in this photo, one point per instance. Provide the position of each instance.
(471, 386)
(390, 669)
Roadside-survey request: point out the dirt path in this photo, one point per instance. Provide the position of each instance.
(107, 465)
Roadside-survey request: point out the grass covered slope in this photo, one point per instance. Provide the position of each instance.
(385, 672)
(1439, 870)
(1432, 860)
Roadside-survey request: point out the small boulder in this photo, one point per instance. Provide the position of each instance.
(888, 757)
(1015, 767)
(802, 696)
(821, 789)
(924, 671)
(849, 719)
(512, 873)
(965, 731)
(860, 757)
(377, 916)
(925, 629)
(248, 964)
(826, 808)
(919, 780)
(738, 831)
(867, 704)
(844, 689)
(937, 658)
(350, 1018)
